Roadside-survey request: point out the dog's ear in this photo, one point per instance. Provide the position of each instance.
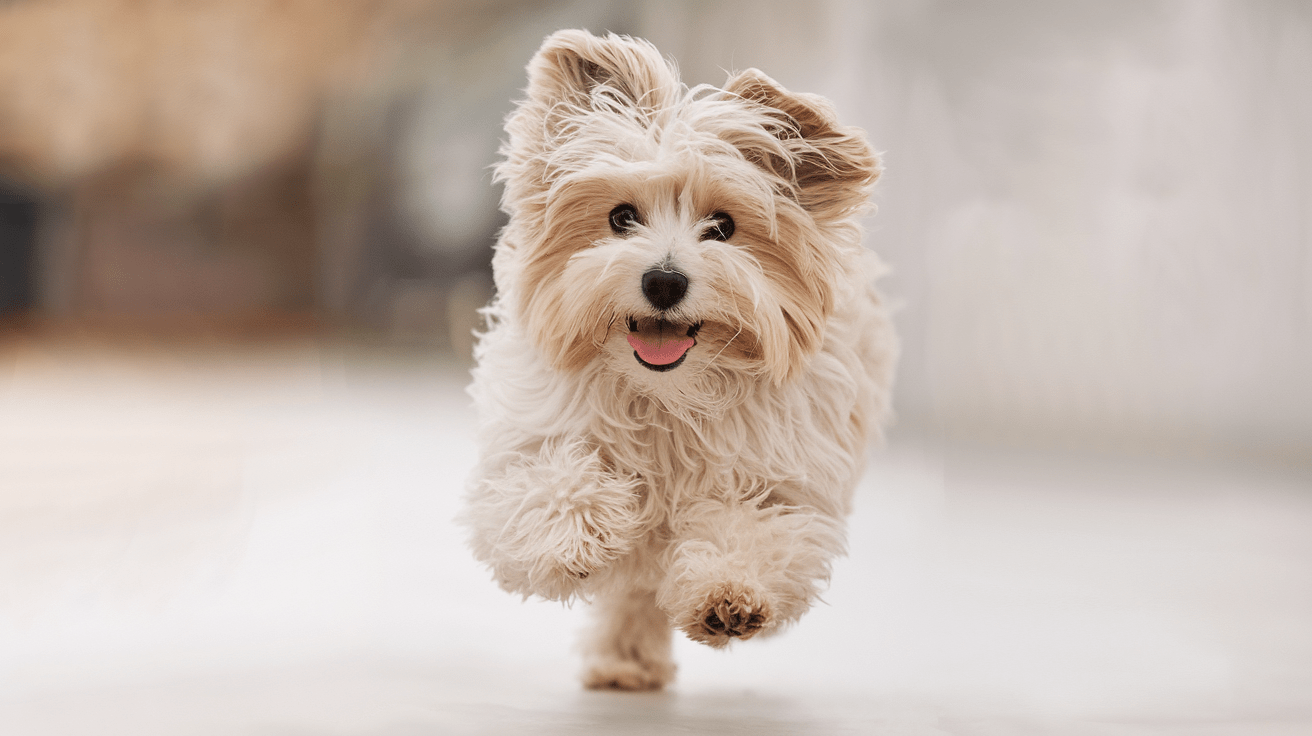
(831, 167)
(576, 70)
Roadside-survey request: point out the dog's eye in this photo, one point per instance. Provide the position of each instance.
(623, 218)
(721, 227)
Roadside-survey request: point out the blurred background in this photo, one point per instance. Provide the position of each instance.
(1097, 215)
(242, 244)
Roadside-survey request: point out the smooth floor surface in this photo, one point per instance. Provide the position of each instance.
(200, 539)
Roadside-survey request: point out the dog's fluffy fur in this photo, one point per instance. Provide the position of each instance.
(708, 496)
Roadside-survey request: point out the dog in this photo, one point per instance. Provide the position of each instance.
(685, 359)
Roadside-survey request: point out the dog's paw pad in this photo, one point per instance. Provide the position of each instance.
(729, 614)
(720, 621)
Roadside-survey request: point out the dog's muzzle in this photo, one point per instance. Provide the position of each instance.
(659, 344)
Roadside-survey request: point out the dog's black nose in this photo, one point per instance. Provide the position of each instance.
(664, 289)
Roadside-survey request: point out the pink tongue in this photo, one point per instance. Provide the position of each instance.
(663, 353)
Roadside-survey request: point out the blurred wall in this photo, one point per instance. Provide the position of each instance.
(1101, 218)
(1098, 215)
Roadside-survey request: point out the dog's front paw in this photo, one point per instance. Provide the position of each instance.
(731, 611)
(578, 547)
(570, 540)
(547, 525)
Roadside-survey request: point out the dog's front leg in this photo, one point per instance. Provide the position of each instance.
(548, 519)
(741, 568)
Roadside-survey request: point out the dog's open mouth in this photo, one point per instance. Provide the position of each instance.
(660, 345)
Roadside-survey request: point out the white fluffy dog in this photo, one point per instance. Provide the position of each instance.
(685, 359)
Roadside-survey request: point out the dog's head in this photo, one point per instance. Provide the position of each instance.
(674, 234)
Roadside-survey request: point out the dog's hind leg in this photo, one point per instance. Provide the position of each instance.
(629, 648)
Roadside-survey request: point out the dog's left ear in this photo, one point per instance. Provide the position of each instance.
(577, 71)
(831, 167)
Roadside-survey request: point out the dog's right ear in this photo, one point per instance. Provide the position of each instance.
(575, 72)
(831, 166)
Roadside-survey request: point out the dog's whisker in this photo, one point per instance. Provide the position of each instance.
(722, 349)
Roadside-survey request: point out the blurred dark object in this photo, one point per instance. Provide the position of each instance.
(18, 222)
(137, 244)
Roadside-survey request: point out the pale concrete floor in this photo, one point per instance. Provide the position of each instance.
(259, 541)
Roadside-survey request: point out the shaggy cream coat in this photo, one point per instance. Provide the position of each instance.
(709, 497)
